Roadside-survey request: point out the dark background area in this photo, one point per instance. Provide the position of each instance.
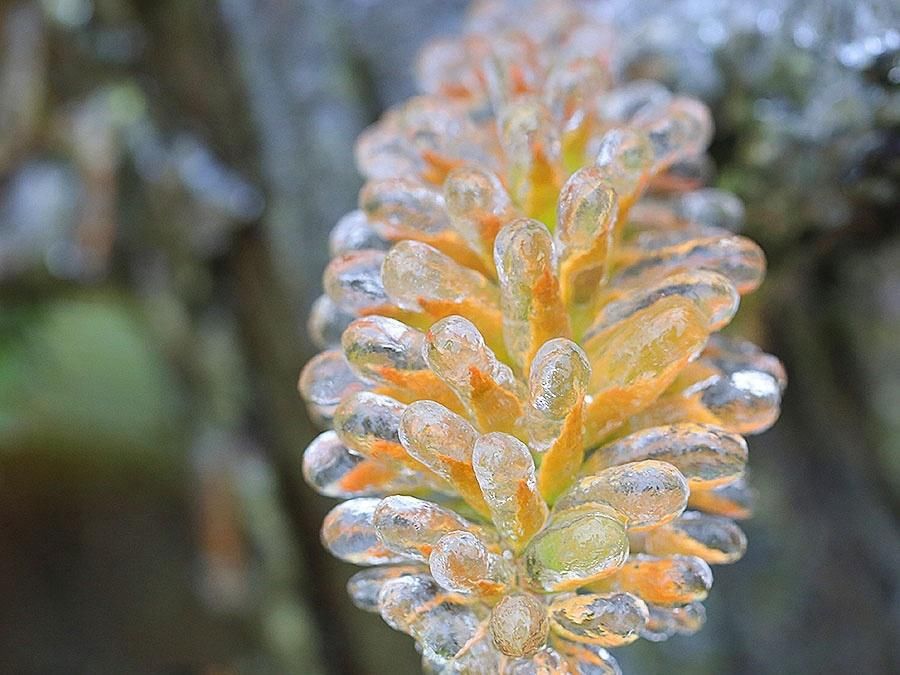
(169, 172)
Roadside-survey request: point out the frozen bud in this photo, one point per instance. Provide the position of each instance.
(591, 659)
(325, 381)
(348, 533)
(327, 322)
(745, 395)
(401, 208)
(461, 562)
(731, 356)
(746, 401)
(326, 461)
(505, 471)
(706, 456)
(679, 130)
(734, 500)
(354, 232)
(419, 277)
(607, 620)
(671, 581)
(533, 157)
(443, 441)
(529, 289)
(457, 352)
(447, 628)
(647, 493)
(576, 548)
(624, 102)
(444, 67)
(586, 216)
(455, 347)
(378, 348)
(554, 416)
(569, 87)
(382, 151)
(478, 205)
(736, 257)
(634, 362)
(365, 586)
(559, 377)
(366, 422)
(714, 294)
(519, 625)
(416, 605)
(353, 281)
(546, 661)
(413, 526)
(623, 156)
(713, 208)
(715, 539)
(665, 622)
(402, 600)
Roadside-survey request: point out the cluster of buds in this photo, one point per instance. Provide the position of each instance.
(535, 430)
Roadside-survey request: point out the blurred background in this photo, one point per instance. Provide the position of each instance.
(169, 172)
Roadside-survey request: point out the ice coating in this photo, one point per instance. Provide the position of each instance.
(576, 548)
(743, 391)
(712, 207)
(378, 346)
(591, 659)
(325, 381)
(520, 317)
(736, 257)
(364, 586)
(678, 130)
(327, 322)
(532, 149)
(353, 280)
(461, 562)
(648, 493)
(705, 455)
(505, 471)
(733, 500)
(606, 620)
(586, 215)
(443, 441)
(557, 383)
(416, 276)
(529, 289)
(411, 527)
(348, 533)
(326, 461)
(668, 582)
(715, 539)
(477, 205)
(635, 361)
(666, 622)
(354, 232)
(367, 423)
(401, 208)
(415, 604)
(457, 352)
(623, 157)
(713, 293)
(519, 625)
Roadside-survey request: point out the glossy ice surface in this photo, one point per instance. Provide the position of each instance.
(537, 430)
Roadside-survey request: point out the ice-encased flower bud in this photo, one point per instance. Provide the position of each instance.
(648, 493)
(505, 471)
(519, 625)
(576, 548)
(606, 620)
(529, 289)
